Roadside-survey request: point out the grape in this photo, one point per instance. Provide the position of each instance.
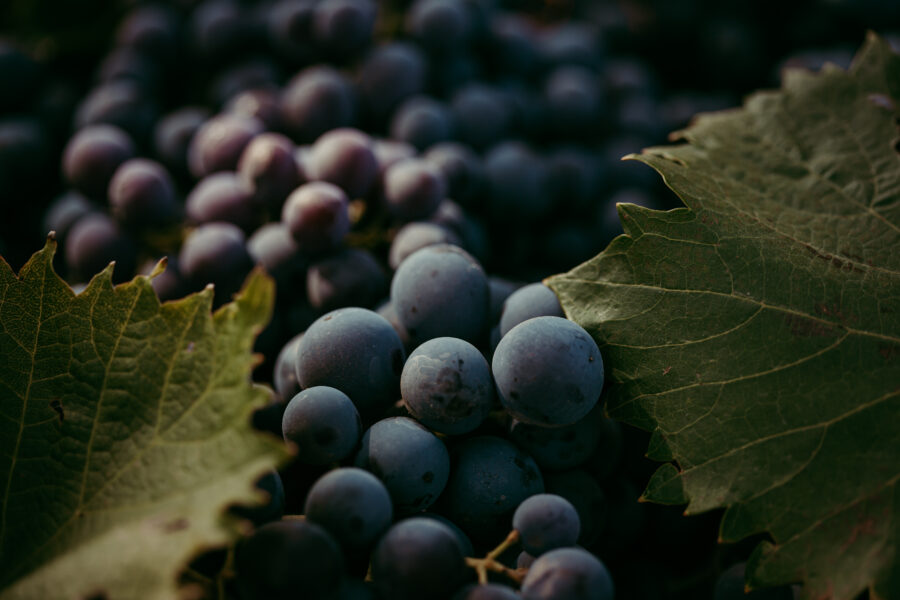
(534, 300)
(422, 122)
(386, 310)
(567, 574)
(342, 28)
(345, 158)
(464, 542)
(546, 522)
(513, 49)
(261, 104)
(415, 236)
(517, 183)
(417, 558)
(350, 277)
(573, 103)
(571, 43)
(142, 195)
(462, 170)
(559, 448)
(273, 509)
(481, 114)
(352, 504)
(317, 100)
(123, 104)
(218, 30)
(442, 26)
(284, 557)
(317, 215)
(323, 423)
(93, 155)
(439, 291)
(489, 479)
(446, 384)
(268, 163)
(575, 178)
(64, 212)
(126, 64)
(411, 461)
(224, 197)
(215, 253)
(284, 376)
(273, 247)
(254, 74)
(548, 371)
(93, 242)
(217, 145)
(486, 591)
(731, 583)
(356, 351)
(389, 152)
(390, 74)
(173, 134)
(413, 189)
(151, 29)
(500, 290)
(524, 560)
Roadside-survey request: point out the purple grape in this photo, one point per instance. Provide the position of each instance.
(93, 242)
(351, 277)
(441, 26)
(462, 169)
(317, 216)
(533, 300)
(546, 522)
(413, 189)
(173, 134)
(142, 195)
(422, 122)
(317, 100)
(570, 574)
(343, 28)
(217, 145)
(225, 197)
(389, 75)
(215, 253)
(345, 158)
(93, 155)
(268, 164)
(415, 236)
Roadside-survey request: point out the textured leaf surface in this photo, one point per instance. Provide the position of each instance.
(124, 431)
(756, 332)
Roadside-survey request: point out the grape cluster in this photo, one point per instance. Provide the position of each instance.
(407, 172)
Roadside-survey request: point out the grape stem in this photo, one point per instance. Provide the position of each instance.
(490, 562)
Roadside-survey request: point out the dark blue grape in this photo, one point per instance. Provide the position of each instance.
(413, 189)
(546, 522)
(215, 253)
(345, 158)
(289, 28)
(390, 74)
(500, 290)
(351, 277)
(343, 28)
(533, 300)
(415, 236)
(356, 351)
(323, 423)
(575, 179)
(446, 384)
(285, 558)
(219, 30)
(317, 215)
(217, 145)
(516, 183)
(481, 114)
(573, 102)
(386, 310)
(93, 155)
(548, 371)
(273, 509)
(93, 242)
(284, 376)
(441, 291)
(422, 122)
(352, 504)
(489, 479)
(173, 134)
(224, 197)
(418, 558)
(142, 195)
(513, 45)
(253, 74)
(464, 542)
(568, 244)
(572, 43)
(568, 574)
(273, 247)
(268, 164)
(317, 100)
(462, 170)
(124, 104)
(152, 29)
(487, 591)
(731, 585)
(441, 26)
(411, 461)
(127, 64)
(559, 448)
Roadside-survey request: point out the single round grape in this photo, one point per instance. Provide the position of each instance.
(92, 156)
(352, 504)
(350, 277)
(215, 253)
(573, 102)
(273, 247)
(441, 26)
(411, 461)
(441, 290)
(173, 134)
(95, 241)
(123, 104)
(567, 574)
(516, 183)
(317, 100)
(142, 194)
(417, 235)
(268, 164)
(217, 145)
(548, 371)
(447, 385)
(546, 522)
(464, 542)
(533, 300)
(490, 477)
(356, 351)
(323, 423)
(462, 168)
(283, 557)
(390, 152)
(342, 28)
(481, 114)
(345, 158)
(422, 122)
(317, 215)
(224, 197)
(390, 74)
(413, 189)
(418, 558)
(263, 104)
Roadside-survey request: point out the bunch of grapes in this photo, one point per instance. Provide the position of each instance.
(407, 172)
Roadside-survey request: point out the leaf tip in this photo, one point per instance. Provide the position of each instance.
(160, 267)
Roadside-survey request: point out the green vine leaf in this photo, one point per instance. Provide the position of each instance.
(124, 431)
(756, 332)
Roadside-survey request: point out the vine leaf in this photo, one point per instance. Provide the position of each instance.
(756, 332)
(124, 431)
